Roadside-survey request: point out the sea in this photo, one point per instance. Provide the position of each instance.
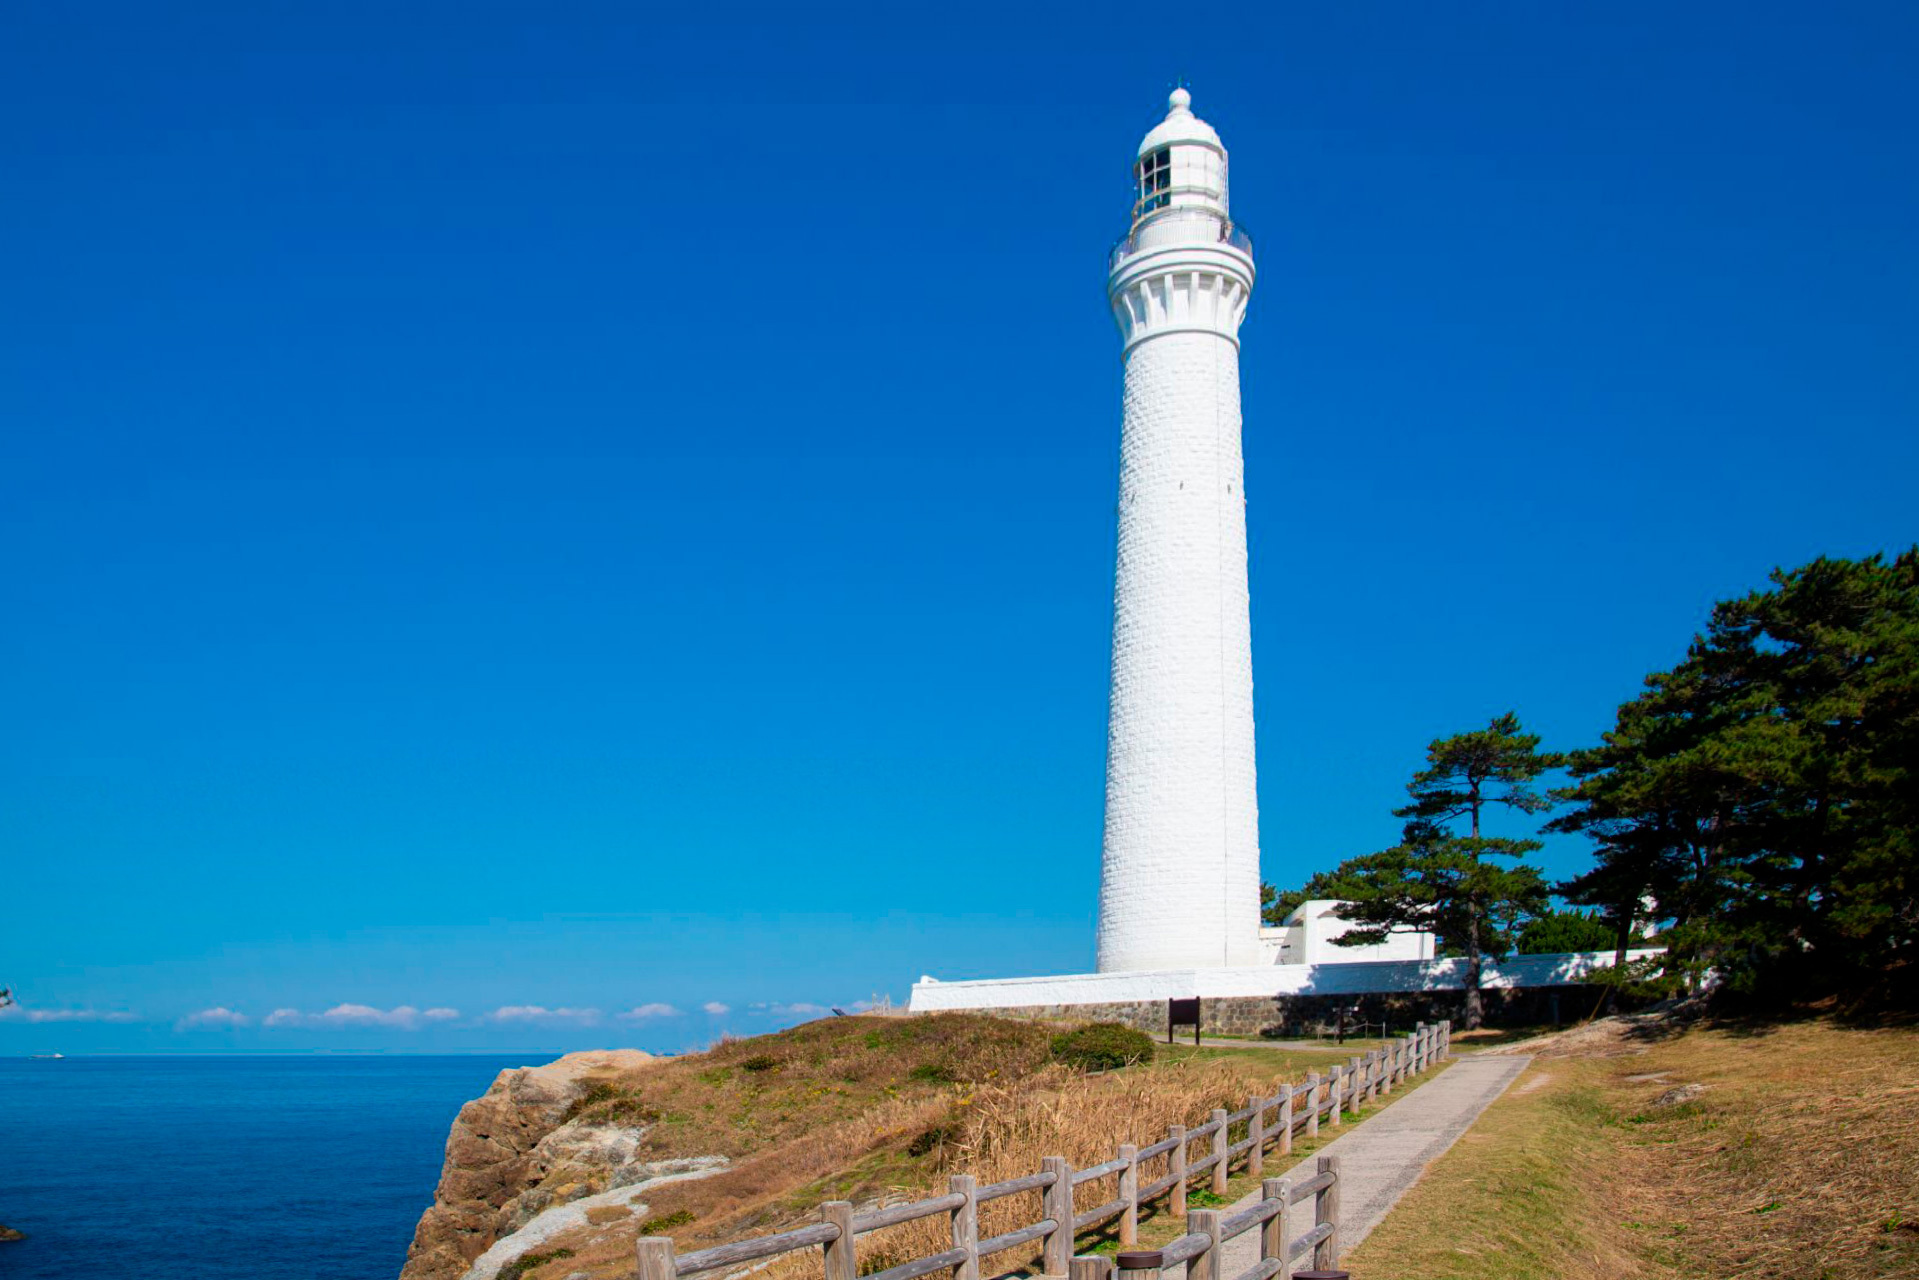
(224, 1168)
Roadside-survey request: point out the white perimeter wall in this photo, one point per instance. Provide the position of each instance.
(1377, 978)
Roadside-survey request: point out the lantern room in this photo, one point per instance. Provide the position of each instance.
(1181, 165)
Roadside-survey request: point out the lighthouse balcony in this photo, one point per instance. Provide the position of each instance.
(1180, 229)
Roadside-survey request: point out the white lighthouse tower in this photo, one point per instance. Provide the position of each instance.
(1179, 878)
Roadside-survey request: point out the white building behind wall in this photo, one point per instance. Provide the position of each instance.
(1307, 938)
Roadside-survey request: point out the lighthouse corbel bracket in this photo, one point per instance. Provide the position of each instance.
(1185, 289)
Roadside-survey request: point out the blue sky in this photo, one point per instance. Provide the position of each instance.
(514, 516)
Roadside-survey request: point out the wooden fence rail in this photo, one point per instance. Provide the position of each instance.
(1270, 1123)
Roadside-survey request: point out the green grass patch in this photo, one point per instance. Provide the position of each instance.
(526, 1262)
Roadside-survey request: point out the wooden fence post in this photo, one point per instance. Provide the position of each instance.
(841, 1264)
(1312, 1104)
(656, 1258)
(1256, 1130)
(1221, 1151)
(1092, 1267)
(1326, 1209)
(1333, 1094)
(1205, 1266)
(1357, 1094)
(1273, 1236)
(1129, 1192)
(966, 1225)
(1286, 1119)
(1176, 1165)
(1057, 1253)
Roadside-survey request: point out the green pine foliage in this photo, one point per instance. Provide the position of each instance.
(1447, 874)
(1558, 932)
(1760, 798)
(1757, 807)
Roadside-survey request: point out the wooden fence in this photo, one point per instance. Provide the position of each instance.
(1268, 1123)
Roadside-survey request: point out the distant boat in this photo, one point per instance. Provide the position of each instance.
(46, 1055)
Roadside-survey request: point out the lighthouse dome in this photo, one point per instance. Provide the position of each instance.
(1181, 165)
(1180, 125)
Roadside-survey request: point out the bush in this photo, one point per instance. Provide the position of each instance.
(528, 1261)
(1101, 1046)
(931, 1073)
(666, 1222)
(929, 1141)
(760, 1062)
(608, 1104)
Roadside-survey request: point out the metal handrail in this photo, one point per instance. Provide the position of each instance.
(1230, 233)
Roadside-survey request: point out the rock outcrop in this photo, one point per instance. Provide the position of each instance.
(512, 1154)
(626, 1201)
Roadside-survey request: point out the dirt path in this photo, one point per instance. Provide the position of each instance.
(1382, 1158)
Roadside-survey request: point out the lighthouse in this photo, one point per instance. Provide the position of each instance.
(1179, 872)
(1179, 927)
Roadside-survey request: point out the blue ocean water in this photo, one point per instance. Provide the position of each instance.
(224, 1168)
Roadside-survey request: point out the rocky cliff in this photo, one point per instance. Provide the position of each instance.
(557, 1170)
(539, 1137)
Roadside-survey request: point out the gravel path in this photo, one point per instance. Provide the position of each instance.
(1380, 1159)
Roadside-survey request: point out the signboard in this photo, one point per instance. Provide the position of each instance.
(1182, 1013)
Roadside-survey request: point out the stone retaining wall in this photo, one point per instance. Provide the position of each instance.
(1304, 1015)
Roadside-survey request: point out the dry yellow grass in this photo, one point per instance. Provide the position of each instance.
(1800, 1158)
(996, 1122)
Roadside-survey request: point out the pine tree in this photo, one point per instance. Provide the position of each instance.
(1471, 889)
(1762, 796)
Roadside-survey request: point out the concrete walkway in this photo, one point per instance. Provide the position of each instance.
(1381, 1158)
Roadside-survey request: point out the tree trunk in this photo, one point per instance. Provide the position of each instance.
(1622, 942)
(1475, 1009)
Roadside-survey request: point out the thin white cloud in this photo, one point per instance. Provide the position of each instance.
(21, 1013)
(401, 1017)
(218, 1016)
(641, 1013)
(715, 1008)
(540, 1013)
(798, 1009)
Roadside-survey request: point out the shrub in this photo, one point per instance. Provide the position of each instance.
(608, 1104)
(1101, 1046)
(929, 1141)
(666, 1222)
(760, 1062)
(931, 1073)
(528, 1261)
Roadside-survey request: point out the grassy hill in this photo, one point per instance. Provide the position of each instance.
(875, 1109)
(1643, 1149)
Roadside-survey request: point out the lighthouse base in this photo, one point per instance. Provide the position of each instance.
(1274, 999)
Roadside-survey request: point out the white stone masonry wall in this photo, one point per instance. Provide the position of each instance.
(1180, 875)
